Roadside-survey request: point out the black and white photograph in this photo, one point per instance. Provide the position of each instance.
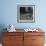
(26, 13)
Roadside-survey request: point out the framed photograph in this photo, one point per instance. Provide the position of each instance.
(26, 13)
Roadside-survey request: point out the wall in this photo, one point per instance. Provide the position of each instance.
(9, 13)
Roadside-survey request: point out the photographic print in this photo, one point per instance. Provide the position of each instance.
(26, 13)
